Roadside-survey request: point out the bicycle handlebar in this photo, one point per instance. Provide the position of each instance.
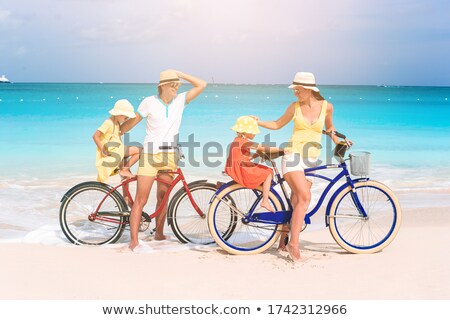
(340, 135)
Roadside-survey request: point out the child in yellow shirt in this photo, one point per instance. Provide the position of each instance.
(111, 153)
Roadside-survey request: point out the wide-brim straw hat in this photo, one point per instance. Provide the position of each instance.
(246, 124)
(168, 76)
(123, 108)
(305, 80)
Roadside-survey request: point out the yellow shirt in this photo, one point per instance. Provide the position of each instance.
(107, 166)
(306, 138)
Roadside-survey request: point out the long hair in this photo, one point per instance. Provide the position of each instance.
(317, 95)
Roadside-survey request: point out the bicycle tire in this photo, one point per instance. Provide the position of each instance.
(79, 202)
(186, 223)
(365, 235)
(247, 238)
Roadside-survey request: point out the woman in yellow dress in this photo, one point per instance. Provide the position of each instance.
(110, 150)
(310, 113)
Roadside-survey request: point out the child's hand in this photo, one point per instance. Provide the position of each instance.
(105, 152)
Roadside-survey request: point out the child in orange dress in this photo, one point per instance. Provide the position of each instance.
(239, 165)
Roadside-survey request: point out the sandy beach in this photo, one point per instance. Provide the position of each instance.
(414, 266)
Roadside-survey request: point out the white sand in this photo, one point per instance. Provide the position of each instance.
(414, 266)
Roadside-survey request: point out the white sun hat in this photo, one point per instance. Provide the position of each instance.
(123, 108)
(305, 80)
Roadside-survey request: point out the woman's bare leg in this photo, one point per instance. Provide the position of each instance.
(301, 189)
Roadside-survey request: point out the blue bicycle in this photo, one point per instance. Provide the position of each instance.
(363, 215)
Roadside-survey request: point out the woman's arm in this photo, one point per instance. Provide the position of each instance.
(329, 126)
(281, 122)
(199, 85)
(130, 124)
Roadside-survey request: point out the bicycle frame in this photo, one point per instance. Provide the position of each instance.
(98, 215)
(284, 216)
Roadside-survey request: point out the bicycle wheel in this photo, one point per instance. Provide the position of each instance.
(358, 234)
(247, 237)
(77, 223)
(186, 223)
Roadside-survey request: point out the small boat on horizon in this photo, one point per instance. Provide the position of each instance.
(3, 79)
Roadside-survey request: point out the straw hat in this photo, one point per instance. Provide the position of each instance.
(123, 108)
(246, 124)
(168, 76)
(305, 80)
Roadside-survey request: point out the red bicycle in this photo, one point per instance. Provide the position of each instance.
(95, 213)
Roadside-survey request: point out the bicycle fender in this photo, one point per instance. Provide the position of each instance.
(224, 186)
(190, 185)
(334, 195)
(194, 183)
(80, 185)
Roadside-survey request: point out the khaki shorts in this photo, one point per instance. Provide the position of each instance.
(150, 164)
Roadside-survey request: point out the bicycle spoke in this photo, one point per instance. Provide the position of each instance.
(247, 236)
(81, 203)
(366, 233)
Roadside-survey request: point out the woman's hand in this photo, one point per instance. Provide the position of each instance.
(256, 118)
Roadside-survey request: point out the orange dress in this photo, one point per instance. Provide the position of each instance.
(240, 167)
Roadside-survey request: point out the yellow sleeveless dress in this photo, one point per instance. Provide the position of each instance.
(108, 166)
(306, 138)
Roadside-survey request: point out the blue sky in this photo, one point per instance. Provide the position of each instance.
(235, 41)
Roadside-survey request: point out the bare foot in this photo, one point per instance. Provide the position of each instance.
(125, 173)
(281, 247)
(294, 252)
(266, 205)
(133, 245)
(161, 237)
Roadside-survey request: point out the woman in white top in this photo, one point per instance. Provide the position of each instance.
(163, 113)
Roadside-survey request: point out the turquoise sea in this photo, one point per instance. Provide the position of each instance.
(46, 129)
(46, 138)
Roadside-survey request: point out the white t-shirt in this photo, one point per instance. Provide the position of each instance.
(163, 122)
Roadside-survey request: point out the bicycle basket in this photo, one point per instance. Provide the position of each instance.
(340, 149)
(360, 163)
